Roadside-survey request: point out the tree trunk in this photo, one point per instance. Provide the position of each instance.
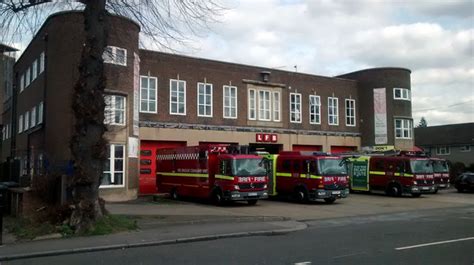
(88, 147)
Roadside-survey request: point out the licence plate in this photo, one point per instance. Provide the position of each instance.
(425, 188)
(336, 192)
(252, 194)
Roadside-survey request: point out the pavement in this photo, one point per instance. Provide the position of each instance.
(165, 222)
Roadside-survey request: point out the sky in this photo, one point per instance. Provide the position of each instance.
(432, 38)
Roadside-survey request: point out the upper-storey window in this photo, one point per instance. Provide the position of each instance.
(252, 104)
(350, 112)
(401, 93)
(27, 121)
(33, 117)
(295, 107)
(148, 94)
(34, 70)
(333, 111)
(40, 112)
(230, 102)
(276, 106)
(403, 128)
(41, 63)
(22, 82)
(20, 123)
(28, 77)
(443, 150)
(115, 55)
(204, 100)
(314, 109)
(177, 97)
(264, 105)
(114, 110)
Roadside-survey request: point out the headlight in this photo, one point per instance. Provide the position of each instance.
(415, 182)
(236, 187)
(265, 186)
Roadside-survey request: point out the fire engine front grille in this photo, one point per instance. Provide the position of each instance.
(247, 186)
(334, 187)
(425, 182)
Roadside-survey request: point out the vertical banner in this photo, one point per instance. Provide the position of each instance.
(133, 147)
(136, 93)
(380, 116)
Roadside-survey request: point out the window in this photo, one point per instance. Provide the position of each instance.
(177, 97)
(114, 110)
(4, 134)
(22, 82)
(442, 150)
(27, 77)
(204, 103)
(264, 105)
(276, 106)
(252, 105)
(403, 128)
(20, 124)
(401, 93)
(40, 113)
(295, 107)
(27, 121)
(230, 102)
(114, 167)
(115, 55)
(148, 94)
(34, 70)
(41, 63)
(33, 117)
(314, 109)
(350, 112)
(465, 148)
(333, 111)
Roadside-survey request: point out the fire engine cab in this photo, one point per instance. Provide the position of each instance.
(307, 176)
(219, 172)
(441, 173)
(395, 174)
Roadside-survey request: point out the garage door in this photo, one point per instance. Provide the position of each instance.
(342, 149)
(302, 147)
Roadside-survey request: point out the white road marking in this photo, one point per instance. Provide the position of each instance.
(303, 263)
(435, 243)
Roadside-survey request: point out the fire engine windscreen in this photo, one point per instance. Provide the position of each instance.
(440, 166)
(421, 166)
(332, 167)
(248, 167)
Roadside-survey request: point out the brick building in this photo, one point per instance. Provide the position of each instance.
(157, 100)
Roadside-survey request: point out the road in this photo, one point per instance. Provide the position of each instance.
(441, 236)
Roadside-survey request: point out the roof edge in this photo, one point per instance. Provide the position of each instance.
(377, 69)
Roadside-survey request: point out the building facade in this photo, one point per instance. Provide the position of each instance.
(157, 100)
(454, 142)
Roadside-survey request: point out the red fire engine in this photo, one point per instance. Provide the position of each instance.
(441, 173)
(395, 174)
(307, 176)
(219, 172)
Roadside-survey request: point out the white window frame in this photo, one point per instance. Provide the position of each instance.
(33, 117)
(252, 104)
(27, 77)
(148, 100)
(264, 105)
(111, 170)
(351, 116)
(40, 113)
(20, 123)
(34, 70)
(232, 101)
(335, 112)
(205, 104)
(406, 127)
(26, 121)
(443, 150)
(111, 56)
(298, 105)
(276, 102)
(4, 134)
(177, 97)
(22, 82)
(114, 111)
(405, 94)
(316, 114)
(41, 63)
(465, 148)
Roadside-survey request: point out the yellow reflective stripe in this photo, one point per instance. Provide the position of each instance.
(407, 175)
(377, 172)
(397, 174)
(316, 177)
(283, 174)
(224, 177)
(190, 175)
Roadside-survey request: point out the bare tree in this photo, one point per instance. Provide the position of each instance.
(164, 22)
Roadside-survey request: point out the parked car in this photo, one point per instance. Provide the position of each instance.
(465, 181)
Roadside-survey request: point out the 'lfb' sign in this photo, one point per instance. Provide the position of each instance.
(266, 138)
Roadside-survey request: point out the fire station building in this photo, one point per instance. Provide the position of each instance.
(158, 100)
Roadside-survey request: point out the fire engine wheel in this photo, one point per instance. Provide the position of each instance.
(301, 194)
(174, 194)
(252, 202)
(394, 190)
(330, 200)
(217, 197)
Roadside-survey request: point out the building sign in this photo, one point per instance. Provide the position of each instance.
(266, 138)
(136, 91)
(380, 116)
(383, 148)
